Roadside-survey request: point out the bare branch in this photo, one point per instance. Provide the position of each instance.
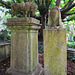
(42, 1)
(70, 3)
(67, 4)
(7, 6)
(37, 2)
(70, 7)
(48, 3)
(58, 3)
(13, 1)
(69, 19)
(67, 14)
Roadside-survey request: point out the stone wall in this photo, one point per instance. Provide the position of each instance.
(4, 51)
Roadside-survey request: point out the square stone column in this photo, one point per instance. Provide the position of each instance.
(24, 46)
(55, 53)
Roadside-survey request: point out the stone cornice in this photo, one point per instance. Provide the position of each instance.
(23, 23)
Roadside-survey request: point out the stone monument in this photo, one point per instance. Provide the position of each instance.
(24, 41)
(24, 46)
(27, 9)
(55, 53)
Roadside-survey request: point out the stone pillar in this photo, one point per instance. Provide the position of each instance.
(55, 53)
(24, 46)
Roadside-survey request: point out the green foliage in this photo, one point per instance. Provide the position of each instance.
(8, 3)
(73, 59)
(71, 44)
(2, 36)
(20, 1)
(8, 37)
(52, 4)
(70, 13)
(70, 26)
(37, 14)
(43, 6)
(67, 27)
(9, 11)
(3, 19)
(63, 2)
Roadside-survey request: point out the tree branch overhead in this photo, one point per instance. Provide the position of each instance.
(7, 6)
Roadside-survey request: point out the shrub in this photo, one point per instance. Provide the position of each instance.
(74, 38)
(8, 37)
(71, 44)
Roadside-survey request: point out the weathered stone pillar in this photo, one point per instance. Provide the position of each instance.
(24, 46)
(55, 53)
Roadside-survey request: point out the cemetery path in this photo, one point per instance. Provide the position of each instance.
(4, 65)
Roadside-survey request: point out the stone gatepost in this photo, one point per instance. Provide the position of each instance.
(24, 46)
(55, 53)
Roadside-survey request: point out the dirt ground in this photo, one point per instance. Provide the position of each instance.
(4, 65)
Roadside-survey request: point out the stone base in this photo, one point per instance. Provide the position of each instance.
(37, 71)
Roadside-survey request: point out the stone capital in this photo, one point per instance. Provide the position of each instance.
(23, 23)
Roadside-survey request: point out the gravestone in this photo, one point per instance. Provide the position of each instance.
(55, 53)
(24, 46)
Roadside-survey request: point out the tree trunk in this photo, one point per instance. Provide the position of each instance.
(58, 3)
(43, 22)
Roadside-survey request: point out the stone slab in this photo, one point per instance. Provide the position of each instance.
(55, 53)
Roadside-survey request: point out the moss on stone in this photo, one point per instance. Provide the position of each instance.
(55, 52)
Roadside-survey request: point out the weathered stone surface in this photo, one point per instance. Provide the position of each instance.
(4, 51)
(23, 20)
(55, 53)
(24, 50)
(70, 52)
(26, 8)
(54, 19)
(24, 46)
(37, 71)
(23, 23)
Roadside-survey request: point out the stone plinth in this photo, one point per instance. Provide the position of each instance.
(24, 46)
(55, 53)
